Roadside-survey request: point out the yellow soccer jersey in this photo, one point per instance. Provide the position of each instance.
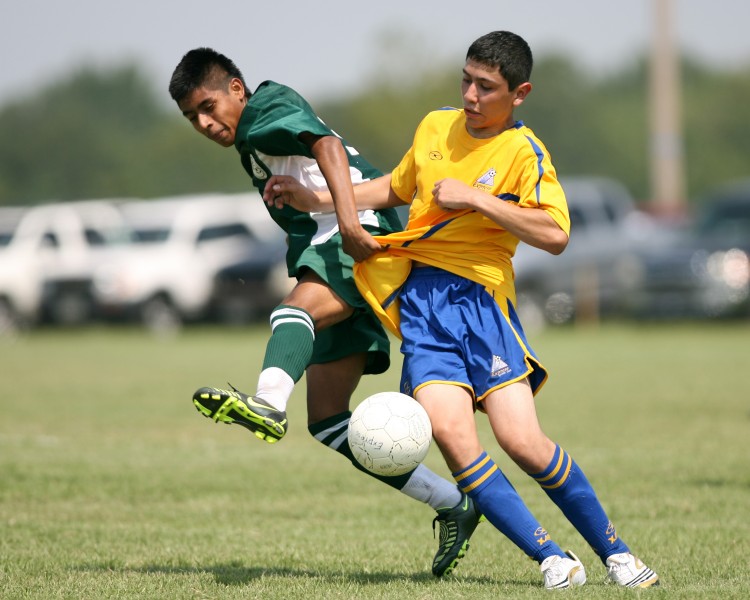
(513, 166)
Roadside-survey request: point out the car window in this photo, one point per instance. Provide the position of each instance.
(217, 232)
(610, 212)
(150, 235)
(577, 218)
(50, 240)
(731, 221)
(94, 237)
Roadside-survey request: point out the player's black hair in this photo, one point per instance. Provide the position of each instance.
(506, 51)
(203, 67)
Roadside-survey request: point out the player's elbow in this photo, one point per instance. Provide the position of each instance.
(557, 242)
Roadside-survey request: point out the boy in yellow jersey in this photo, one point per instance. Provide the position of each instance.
(479, 182)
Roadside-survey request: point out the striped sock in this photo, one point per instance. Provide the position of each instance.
(421, 483)
(291, 344)
(502, 506)
(332, 432)
(567, 486)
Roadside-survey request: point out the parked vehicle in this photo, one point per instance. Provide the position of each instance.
(47, 258)
(704, 271)
(169, 274)
(250, 288)
(595, 273)
(9, 219)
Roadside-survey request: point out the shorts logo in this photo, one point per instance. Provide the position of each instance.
(435, 155)
(499, 366)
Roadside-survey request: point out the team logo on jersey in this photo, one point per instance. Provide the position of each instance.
(258, 172)
(499, 366)
(435, 155)
(487, 180)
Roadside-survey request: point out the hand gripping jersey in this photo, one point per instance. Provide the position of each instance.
(268, 142)
(513, 166)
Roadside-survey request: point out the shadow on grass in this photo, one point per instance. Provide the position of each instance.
(235, 573)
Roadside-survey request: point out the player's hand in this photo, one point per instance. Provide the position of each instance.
(281, 190)
(359, 244)
(452, 194)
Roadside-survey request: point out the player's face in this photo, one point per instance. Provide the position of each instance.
(216, 113)
(488, 103)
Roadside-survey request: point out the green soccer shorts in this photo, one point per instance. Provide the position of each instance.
(362, 332)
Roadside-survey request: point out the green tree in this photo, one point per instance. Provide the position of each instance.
(103, 134)
(107, 133)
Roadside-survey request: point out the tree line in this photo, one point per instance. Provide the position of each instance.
(115, 134)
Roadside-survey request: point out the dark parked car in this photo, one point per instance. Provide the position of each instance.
(704, 271)
(595, 273)
(250, 288)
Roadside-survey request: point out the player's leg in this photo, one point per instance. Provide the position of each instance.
(451, 412)
(330, 386)
(324, 296)
(310, 307)
(516, 426)
(436, 312)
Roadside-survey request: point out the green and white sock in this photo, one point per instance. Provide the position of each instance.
(288, 353)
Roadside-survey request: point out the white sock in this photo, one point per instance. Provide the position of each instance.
(275, 386)
(430, 488)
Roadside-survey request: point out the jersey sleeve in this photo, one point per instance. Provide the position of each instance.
(404, 176)
(540, 187)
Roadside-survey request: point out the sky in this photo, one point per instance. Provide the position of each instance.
(330, 48)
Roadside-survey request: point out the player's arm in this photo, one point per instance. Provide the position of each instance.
(284, 189)
(530, 225)
(331, 157)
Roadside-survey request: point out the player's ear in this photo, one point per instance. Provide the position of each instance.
(236, 87)
(523, 90)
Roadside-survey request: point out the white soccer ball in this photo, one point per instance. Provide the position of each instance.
(389, 433)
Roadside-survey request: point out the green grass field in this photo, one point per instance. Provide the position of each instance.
(113, 486)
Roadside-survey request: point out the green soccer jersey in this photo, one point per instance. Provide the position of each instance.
(268, 141)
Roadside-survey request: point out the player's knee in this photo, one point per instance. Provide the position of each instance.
(531, 454)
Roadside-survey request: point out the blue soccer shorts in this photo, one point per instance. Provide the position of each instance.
(455, 332)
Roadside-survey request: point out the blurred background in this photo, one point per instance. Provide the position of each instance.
(112, 210)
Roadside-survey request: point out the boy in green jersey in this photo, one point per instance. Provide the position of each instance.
(323, 327)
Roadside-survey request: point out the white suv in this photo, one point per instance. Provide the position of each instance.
(48, 254)
(168, 275)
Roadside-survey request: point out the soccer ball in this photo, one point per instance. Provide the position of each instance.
(389, 433)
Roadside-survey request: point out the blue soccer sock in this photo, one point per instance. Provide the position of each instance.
(502, 506)
(567, 486)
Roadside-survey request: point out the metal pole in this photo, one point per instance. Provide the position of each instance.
(667, 158)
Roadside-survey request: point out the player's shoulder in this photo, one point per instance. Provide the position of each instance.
(273, 90)
(440, 118)
(445, 113)
(524, 138)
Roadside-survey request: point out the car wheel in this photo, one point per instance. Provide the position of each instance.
(10, 323)
(160, 316)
